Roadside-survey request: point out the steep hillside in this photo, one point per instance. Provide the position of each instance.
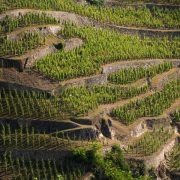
(89, 89)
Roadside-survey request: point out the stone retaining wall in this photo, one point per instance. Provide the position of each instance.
(175, 62)
(40, 154)
(143, 32)
(137, 5)
(157, 158)
(138, 130)
(38, 54)
(19, 87)
(11, 63)
(73, 43)
(49, 126)
(101, 79)
(158, 122)
(86, 133)
(110, 68)
(43, 30)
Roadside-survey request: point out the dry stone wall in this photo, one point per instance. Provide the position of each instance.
(86, 133)
(40, 154)
(153, 122)
(48, 126)
(11, 63)
(157, 158)
(19, 87)
(43, 30)
(110, 68)
(114, 67)
(115, 3)
(38, 54)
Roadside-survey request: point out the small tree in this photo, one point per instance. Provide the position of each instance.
(96, 2)
(117, 157)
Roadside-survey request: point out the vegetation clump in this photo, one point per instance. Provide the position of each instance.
(152, 105)
(173, 161)
(129, 75)
(96, 2)
(28, 105)
(129, 16)
(9, 24)
(150, 142)
(112, 166)
(53, 130)
(26, 42)
(88, 59)
(176, 115)
(80, 100)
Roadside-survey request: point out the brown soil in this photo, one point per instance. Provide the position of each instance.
(28, 78)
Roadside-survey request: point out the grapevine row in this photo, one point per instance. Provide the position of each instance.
(24, 104)
(129, 75)
(80, 100)
(150, 142)
(9, 24)
(27, 42)
(129, 16)
(26, 168)
(153, 105)
(89, 58)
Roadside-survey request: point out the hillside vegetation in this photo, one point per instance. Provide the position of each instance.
(89, 89)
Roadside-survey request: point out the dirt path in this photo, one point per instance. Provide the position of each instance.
(27, 78)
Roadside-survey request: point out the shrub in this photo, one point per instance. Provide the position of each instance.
(117, 157)
(96, 2)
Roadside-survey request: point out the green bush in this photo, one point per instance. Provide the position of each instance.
(117, 157)
(96, 2)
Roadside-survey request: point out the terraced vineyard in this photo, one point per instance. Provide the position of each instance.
(89, 89)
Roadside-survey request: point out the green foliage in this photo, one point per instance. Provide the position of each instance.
(96, 2)
(72, 101)
(89, 58)
(26, 42)
(153, 105)
(150, 142)
(59, 46)
(108, 167)
(129, 16)
(25, 137)
(91, 156)
(28, 104)
(117, 157)
(79, 155)
(173, 161)
(129, 75)
(9, 24)
(80, 100)
(176, 115)
(26, 168)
